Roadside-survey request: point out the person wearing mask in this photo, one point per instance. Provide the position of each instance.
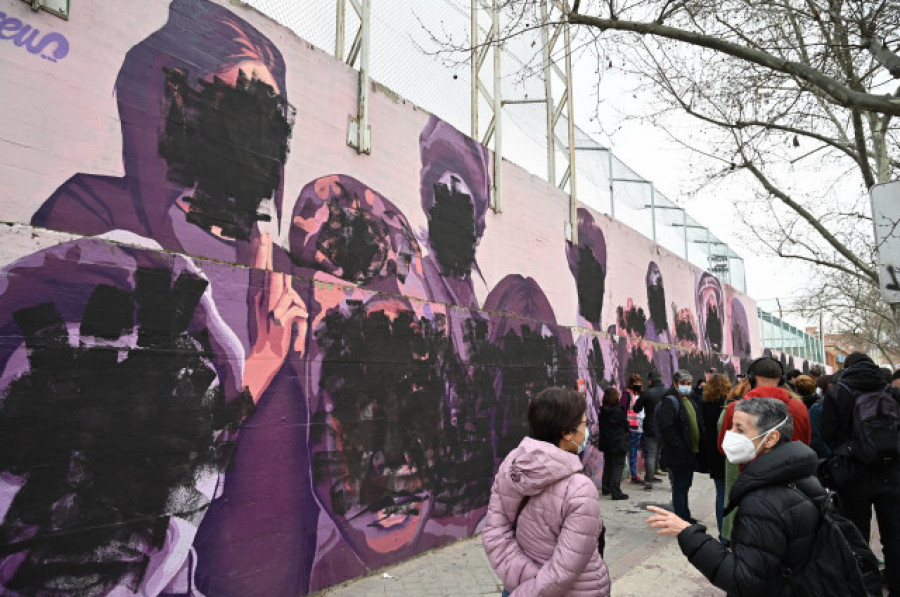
(765, 377)
(614, 443)
(731, 470)
(543, 519)
(875, 487)
(681, 431)
(777, 522)
(714, 395)
(648, 403)
(635, 424)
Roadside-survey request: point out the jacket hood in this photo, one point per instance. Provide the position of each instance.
(785, 464)
(534, 465)
(769, 392)
(864, 376)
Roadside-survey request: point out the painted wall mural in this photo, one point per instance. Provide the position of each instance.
(237, 358)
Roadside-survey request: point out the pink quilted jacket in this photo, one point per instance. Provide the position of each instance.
(553, 551)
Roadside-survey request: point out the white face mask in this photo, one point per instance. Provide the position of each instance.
(584, 442)
(739, 449)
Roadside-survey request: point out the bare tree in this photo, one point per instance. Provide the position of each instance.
(798, 97)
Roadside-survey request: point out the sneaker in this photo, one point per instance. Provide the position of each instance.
(648, 487)
(636, 480)
(604, 491)
(656, 480)
(620, 496)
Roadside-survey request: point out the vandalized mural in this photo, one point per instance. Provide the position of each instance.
(238, 358)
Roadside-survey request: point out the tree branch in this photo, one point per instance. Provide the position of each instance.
(839, 93)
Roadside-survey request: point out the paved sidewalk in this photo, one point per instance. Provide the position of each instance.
(640, 562)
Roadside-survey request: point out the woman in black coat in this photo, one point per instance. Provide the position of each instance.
(775, 525)
(614, 441)
(714, 395)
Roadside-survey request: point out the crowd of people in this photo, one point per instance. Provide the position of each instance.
(799, 462)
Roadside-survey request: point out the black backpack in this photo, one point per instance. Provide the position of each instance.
(875, 435)
(840, 563)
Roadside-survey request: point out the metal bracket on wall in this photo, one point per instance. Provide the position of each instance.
(59, 8)
(359, 133)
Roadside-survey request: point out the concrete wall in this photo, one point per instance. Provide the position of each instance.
(236, 357)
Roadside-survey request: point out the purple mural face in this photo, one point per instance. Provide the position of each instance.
(204, 135)
(455, 191)
(343, 228)
(115, 419)
(656, 301)
(587, 262)
(740, 330)
(711, 313)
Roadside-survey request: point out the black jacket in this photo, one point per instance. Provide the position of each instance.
(774, 528)
(837, 407)
(614, 431)
(715, 461)
(675, 431)
(649, 402)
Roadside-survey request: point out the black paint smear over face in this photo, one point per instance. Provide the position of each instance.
(110, 441)
(713, 328)
(637, 363)
(451, 229)
(698, 363)
(596, 365)
(634, 320)
(356, 241)
(385, 382)
(231, 142)
(684, 330)
(531, 362)
(466, 454)
(591, 285)
(656, 301)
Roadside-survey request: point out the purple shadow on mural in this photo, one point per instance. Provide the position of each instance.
(23, 35)
(118, 412)
(740, 330)
(194, 176)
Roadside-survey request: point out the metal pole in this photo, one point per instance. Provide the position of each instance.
(612, 192)
(340, 10)
(684, 225)
(473, 58)
(548, 93)
(653, 210)
(573, 176)
(496, 203)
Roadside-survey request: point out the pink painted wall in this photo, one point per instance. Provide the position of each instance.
(355, 337)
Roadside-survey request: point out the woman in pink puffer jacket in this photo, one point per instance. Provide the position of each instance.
(549, 548)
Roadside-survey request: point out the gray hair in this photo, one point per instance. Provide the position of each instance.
(768, 413)
(683, 375)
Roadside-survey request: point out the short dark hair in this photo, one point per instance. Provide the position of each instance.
(824, 382)
(611, 397)
(793, 373)
(767, 367)
(554, 412)
(856, 357)
(816, 371)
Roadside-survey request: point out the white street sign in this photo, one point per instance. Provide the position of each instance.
(886, 217)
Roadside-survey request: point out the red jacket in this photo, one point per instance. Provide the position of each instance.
(802, 428)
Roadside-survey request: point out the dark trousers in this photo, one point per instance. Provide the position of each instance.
(613, 467)
(881, 490)
(681, 478)
(720, 503)
(651, 453)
